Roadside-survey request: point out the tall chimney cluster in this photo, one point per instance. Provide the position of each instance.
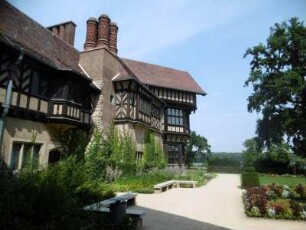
(101, 33)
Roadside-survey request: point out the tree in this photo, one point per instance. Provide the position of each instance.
(278, 72)
(278, 153)
(197, 145)
(251, 153)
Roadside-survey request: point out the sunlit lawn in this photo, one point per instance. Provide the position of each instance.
(288, 180)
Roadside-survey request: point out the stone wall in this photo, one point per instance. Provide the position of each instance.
(101, 66)
(21, 130)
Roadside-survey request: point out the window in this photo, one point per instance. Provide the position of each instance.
(24, 153)
(39, 85)
(15, 156)
(175, 116)
(54, 156)
(145, 106)
(173, 154)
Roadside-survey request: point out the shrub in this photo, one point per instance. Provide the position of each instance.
(49, 198)
(281, 207)
(249, 179)
(93, 191)
(267, 165)
(248, 169)
(276, 189)
(296, 208)
(68, 173)
(264, 202)
(144, 182)
(259, 201)
(228, 160)
(223, 169)
(301, 190)
(144, 190)
(196, 175)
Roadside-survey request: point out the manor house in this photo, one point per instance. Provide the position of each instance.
(46, 84)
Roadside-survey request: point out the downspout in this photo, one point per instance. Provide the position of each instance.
(7, 103)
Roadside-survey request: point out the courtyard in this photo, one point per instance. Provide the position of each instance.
(217, 205)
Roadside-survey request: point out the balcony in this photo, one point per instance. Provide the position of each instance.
(67, 111)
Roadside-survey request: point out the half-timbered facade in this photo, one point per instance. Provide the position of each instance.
(178, 91)
(143, 97)
(54, 85)
(42, 89)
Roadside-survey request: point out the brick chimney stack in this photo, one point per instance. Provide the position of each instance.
(65, 31)
(103, 31)
(113, 38)
(91, 35)
(101, 34)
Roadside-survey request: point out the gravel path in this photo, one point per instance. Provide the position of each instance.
(215, 206)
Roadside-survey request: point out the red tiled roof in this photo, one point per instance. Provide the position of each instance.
(37, 41)
(163, 77)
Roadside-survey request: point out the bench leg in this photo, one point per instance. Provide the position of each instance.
(132, 201)
(139, 224)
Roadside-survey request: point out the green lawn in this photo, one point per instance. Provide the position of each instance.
(288, 180)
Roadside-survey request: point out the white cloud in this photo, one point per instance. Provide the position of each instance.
(149, 26)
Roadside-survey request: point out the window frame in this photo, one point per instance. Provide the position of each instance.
(175, 117)
(173, 154)
(21, 153)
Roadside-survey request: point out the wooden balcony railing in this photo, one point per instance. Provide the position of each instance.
(62, 109)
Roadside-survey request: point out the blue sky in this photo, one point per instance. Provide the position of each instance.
(207, 38)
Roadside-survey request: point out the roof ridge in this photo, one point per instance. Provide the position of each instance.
(166, 67)
(40, 25)
(152, 74)
(37, 40)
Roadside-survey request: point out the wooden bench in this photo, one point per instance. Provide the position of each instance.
(191, 183)
(129, 198)
(164, 186)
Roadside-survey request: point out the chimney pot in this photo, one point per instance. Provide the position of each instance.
(113, 37)
(103, 31)
(91, 34)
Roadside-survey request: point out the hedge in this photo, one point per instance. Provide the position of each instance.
(249, 177)
(223, 169)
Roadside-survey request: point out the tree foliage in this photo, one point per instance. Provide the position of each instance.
(278, 70)
(73, 140)
(197, 145)
(251, 153)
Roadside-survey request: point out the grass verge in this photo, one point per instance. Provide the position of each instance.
(283, 180)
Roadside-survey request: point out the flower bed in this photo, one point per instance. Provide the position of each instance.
(276, 201)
